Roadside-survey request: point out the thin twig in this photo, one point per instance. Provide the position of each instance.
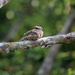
(3, 2)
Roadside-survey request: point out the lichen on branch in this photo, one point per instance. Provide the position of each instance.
(51, 40)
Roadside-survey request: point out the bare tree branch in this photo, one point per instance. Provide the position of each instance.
(53, 51)
(17, 24)
(46, 41)
(3, 2)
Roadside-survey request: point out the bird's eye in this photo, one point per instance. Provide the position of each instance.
(36, 28)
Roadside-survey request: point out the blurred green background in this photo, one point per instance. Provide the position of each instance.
(49, 14)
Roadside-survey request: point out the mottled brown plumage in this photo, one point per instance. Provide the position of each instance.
(33, 34)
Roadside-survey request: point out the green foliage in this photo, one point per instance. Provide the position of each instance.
(51, 15)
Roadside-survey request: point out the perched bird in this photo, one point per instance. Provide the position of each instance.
(33, 34)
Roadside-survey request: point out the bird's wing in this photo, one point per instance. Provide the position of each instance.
(30, 35)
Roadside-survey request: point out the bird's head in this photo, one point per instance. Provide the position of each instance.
(37, 27)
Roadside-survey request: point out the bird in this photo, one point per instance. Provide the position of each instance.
(33, 34)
